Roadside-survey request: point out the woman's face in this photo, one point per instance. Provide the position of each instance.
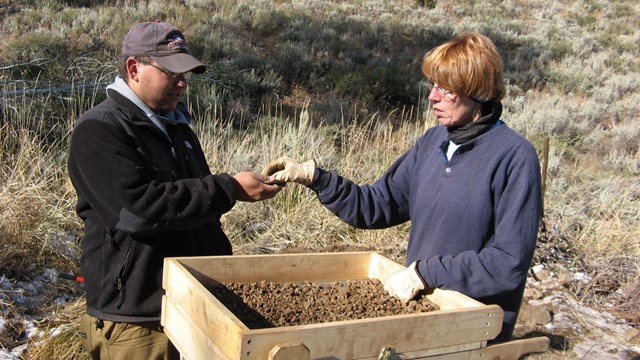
(452, 109)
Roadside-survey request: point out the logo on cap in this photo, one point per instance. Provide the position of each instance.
(177, 43)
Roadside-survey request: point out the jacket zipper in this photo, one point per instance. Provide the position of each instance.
(123, 271)
(110, 237)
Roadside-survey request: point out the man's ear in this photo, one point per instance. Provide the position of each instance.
(133, 69)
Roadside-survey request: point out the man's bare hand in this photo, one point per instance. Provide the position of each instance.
(253, 187)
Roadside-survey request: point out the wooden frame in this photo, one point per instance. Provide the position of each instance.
(201, 327)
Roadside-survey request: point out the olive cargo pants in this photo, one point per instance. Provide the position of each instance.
(108, 340)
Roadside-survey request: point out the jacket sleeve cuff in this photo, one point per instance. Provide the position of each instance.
(424, 282)
(228, 184)
(321, 180)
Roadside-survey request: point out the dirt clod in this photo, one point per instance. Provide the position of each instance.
(268, 304)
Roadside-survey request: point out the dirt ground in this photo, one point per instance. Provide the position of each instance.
(552, 307)
(268, 304)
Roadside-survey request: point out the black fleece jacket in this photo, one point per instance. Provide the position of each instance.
(142, 198)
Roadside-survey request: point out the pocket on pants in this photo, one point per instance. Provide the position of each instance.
(86, 323)
(112, 331)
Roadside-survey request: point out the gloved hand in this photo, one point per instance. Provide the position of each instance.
(289, 170)
(404, 284)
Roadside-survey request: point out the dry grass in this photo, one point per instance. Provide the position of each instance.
(36, 201)
(61, 339)
(295, 217)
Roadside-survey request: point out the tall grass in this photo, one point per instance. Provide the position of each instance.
(36, 199)
(295, 217)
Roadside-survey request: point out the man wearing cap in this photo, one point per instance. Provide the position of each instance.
(145, 192)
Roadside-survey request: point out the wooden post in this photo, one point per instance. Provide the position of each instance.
(545, 165)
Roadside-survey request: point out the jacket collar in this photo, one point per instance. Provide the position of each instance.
(179, 115)
(464, 134)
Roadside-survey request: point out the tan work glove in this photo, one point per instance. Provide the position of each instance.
(289, 170)
(404, 284)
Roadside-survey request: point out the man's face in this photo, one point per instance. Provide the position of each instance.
(159, 88)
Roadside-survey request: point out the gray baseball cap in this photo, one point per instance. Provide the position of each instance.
(164, 43)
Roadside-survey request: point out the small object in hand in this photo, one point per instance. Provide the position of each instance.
(276, 182)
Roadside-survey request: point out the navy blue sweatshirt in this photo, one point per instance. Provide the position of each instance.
(474, 219)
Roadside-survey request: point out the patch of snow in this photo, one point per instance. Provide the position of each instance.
(15, 353)
(32, 294)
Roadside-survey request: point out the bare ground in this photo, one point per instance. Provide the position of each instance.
(555, 305)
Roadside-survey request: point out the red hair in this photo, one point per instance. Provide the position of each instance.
(468, 65)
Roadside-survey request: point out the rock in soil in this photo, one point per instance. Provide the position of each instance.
(268, 304)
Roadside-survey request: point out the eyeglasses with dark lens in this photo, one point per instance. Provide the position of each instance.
(171, 74)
